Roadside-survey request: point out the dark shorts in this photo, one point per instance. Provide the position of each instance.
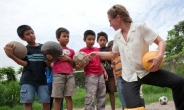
(110, 85)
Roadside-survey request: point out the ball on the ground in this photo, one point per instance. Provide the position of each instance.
(20, 51)
(52, 48)
(81, 56)
(147, 56)
(163, 100)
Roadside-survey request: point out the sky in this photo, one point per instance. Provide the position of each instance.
(46, 16)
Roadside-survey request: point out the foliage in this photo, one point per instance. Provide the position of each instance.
(20, 70)
(9, 72)
(175, 64)
(174, 42)
(151, 94)
(9, 94)
(79, 79)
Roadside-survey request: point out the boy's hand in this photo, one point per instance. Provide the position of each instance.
(79, 65)
(116, 83)
(106, 76)
(9, 50)
(64, 58)
(49, 57)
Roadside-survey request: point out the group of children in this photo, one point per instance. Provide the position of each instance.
(101, 76)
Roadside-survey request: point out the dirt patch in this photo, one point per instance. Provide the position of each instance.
(152, 106)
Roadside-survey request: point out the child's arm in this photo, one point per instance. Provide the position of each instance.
(115, 77)
(49, 60)
(114, 72)
(9, 52)
(66, 58)
(105, 73)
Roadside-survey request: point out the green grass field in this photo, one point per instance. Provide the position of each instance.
(151, 94)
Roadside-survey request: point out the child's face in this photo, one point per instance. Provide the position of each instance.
(29, 36)
(64, 38)
(102, 41)
(90, 40)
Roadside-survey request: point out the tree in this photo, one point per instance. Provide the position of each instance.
(174, 42)
(20, 70)
(9, 72)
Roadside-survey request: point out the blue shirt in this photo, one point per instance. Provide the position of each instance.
(49, 75)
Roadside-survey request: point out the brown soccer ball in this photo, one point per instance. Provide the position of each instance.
(81, 56)
(52, 48)
(20, 51)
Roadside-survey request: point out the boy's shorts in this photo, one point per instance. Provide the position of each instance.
(27, 93)
(110, 85)
(63, 85)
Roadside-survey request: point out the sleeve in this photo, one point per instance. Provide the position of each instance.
(73, 53)
(115, 48)
(113, 64)
(149, 34)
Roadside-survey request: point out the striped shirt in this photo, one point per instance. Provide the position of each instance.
(117, 65)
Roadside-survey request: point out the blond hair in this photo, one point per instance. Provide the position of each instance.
(121, 11)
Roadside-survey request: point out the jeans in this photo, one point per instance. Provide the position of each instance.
(120, 91)
(28, 91)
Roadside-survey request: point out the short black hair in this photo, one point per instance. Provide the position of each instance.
(60, 30)
(89, 32)
(110, 44)
(22, 28)
(102, 34)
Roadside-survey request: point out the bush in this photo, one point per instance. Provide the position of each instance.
(79, 80)
(9, 94)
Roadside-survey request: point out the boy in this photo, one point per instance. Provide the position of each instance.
(33, 79)
(49, 75)
(117, 71)
(63, 78)
(102, 40)
(94, 75)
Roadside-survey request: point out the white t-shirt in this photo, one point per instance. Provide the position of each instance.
(131, 51)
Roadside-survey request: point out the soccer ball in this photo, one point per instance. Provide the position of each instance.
(163, 100)
(52, 48)
(80, 56)
(20, 51)
(147, 56)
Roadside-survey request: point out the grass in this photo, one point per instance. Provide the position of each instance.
(151, 94)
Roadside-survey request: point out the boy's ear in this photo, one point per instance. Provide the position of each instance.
(84, 40)
(22, 38)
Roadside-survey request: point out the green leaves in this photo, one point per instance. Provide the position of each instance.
(174, 42)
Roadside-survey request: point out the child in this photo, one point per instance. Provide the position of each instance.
(33, 79)
(102, 40)
(116, 65)
(63, 78)
(94, 75)
(49, 76)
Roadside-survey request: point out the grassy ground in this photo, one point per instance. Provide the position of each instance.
(151, 94)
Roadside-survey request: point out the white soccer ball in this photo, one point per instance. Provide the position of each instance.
(163, 100)
(81, 56)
